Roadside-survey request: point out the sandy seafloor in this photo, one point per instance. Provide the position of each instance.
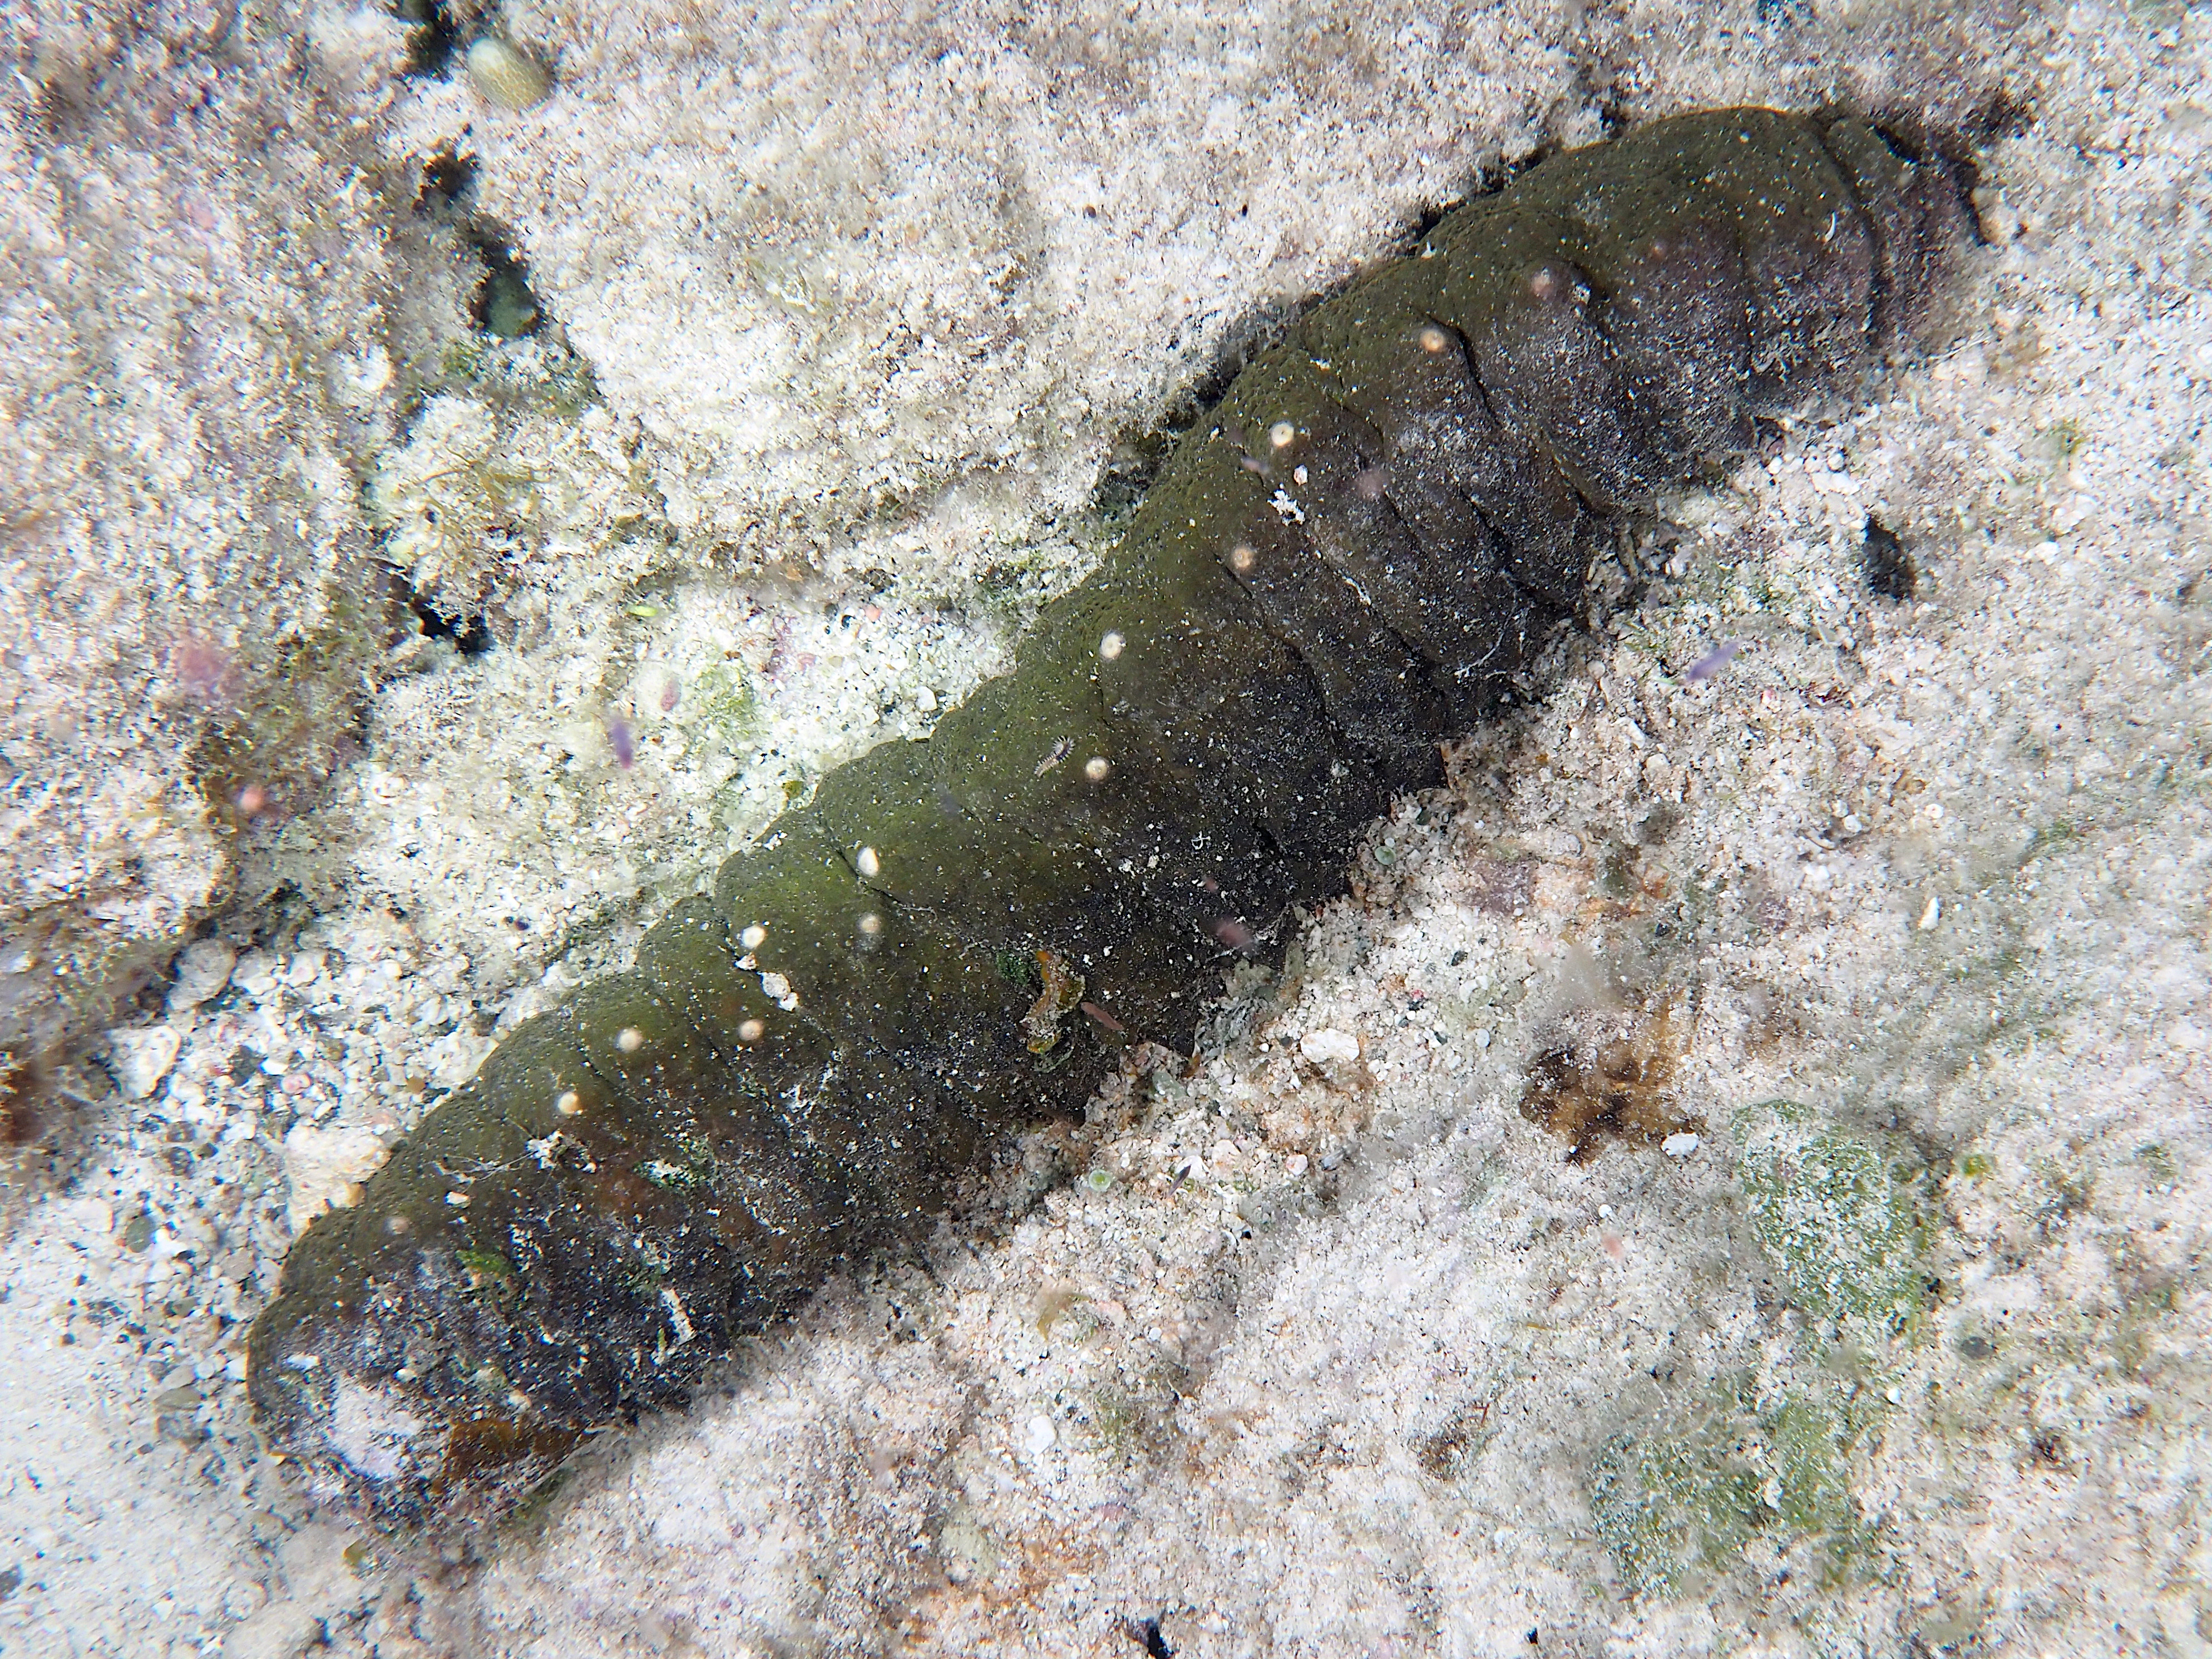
(1319, 1346)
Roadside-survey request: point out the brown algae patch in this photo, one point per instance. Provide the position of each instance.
(1622, 1087)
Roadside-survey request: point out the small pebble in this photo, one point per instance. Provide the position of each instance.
(1327, 1044)
(140, 1057)
(506, 75)
(201, 973)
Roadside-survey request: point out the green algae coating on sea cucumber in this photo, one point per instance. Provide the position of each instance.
(1338, 570)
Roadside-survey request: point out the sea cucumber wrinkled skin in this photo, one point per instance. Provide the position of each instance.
(1339, 568)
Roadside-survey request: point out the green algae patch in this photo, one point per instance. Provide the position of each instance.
(722, 708)
(487, 1269)
(1843, 1216)
(1807, 1438)
(1681, 1506)
(1671, 1509)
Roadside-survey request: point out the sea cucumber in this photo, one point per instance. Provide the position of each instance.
(1341, 568)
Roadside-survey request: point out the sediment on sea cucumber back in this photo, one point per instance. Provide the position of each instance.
(1341, 567)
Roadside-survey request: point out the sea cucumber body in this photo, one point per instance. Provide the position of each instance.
(1338, 570)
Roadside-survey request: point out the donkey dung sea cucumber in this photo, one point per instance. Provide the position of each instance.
(1342, 567)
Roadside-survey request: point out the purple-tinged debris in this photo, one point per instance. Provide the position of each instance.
(1712, 662)
(625, 746)
(1233, 934)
